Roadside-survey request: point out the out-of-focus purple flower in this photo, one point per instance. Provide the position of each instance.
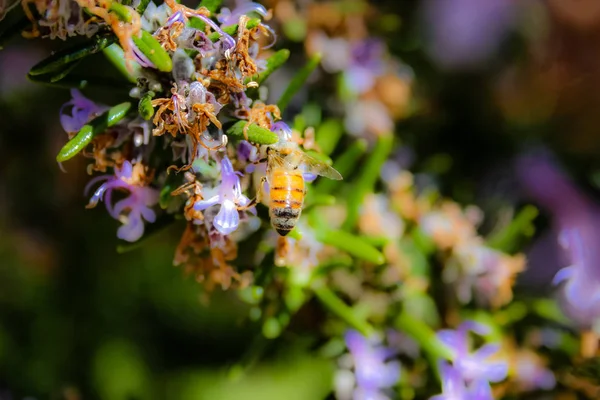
(531, 373)
(454, 386)
(473, 366)
(131, 209)
(366, 64)
(368, 118)
(229, 196)
(229, 17)
(82, 111)
(576, 225)
(465, 33)
(373, 371)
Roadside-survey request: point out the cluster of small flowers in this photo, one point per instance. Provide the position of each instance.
(208, 82)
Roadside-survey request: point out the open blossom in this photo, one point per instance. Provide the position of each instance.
(373, 372)
(465, 33)
(82, 111)
(228, 196)
(575, 221)
(132, 209)
(454, 386)
(473, 366)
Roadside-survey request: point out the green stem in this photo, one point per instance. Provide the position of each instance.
(367, 179)
(342, 310)
(256, 134)
(424, 335)
(298, 81)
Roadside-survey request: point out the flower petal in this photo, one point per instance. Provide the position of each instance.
(228, 218)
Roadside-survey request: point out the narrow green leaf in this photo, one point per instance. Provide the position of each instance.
(328, 135)
(521, 226)
(256, 134)
(121, 11)
(116, 56)
(210, 5)
(345, 164)
(142, 6)
(351, 244)
(91, 130)
(65, 71)
(424, 335)
(152, 49)
(314, 198)
(64, 57)
(334, 304)
(145, 105)
(298, 81)
(367, 179)
(162, 223)
(273, 63)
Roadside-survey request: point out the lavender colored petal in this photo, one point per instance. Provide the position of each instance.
(228, 218)
(133, 230)
(202, 205)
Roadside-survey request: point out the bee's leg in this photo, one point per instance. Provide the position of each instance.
(257, 199)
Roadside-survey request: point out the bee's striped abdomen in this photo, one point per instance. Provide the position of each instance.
(287, 198)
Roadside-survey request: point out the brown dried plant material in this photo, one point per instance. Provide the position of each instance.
(262, 115)
(193, 190)
(167, 34)
(209, 264)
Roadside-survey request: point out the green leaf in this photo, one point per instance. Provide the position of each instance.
(91, 130)
(345, 164)
(337, 306)
(256, 134)
(351, 244)
(521, 226)
(152, 49)
(424, 336)
(367, 179)
(273, 63)
(145, 105)
(142, 6)
(116, 56)
(64, 57)
(298, 81)
(329, 134)
(121, 11)
(162, 223)
(211, 5)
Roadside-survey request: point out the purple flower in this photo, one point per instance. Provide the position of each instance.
(131, 209)
(531, 373)
(575, 221)
(473, 366)
(229, 196)
(366, 64)
(372, 370)
(82, 111)
(229, 17)
(455, 388)
(464, 33)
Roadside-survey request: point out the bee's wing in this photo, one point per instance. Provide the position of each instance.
(311, 165)
(275, 160)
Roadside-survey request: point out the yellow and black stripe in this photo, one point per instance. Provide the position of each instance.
(287, 197)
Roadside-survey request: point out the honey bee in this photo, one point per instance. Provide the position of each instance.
(286, 164)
